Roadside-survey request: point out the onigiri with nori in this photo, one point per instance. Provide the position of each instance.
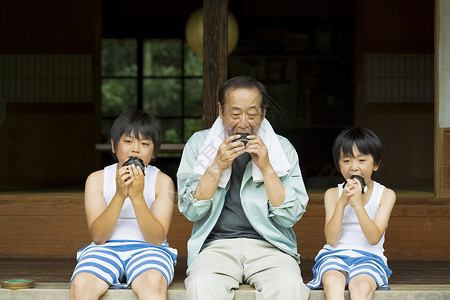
(135, 161)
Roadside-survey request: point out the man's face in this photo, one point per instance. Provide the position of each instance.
(242, 112)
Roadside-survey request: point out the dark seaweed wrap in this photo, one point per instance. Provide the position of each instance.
(135, 161)
(361, 181)
(243, 138)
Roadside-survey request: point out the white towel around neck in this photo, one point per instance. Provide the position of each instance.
(216, 136)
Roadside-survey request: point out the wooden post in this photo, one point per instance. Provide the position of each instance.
(441, 135)
(215, 42)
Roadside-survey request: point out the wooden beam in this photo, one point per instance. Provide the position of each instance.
(215, 41)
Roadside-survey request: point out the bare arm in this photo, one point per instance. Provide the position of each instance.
(334, 214)
(153, 222)
(102, 219)
(374, 230)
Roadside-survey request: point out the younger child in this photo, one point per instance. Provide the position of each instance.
(128, 213)
(355, 221)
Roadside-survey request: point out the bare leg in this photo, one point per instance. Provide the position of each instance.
(87, 286)
(334, 284)
(150, 285)
(362, 287)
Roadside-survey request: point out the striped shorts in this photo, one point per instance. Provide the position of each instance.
(117, 261)
(353, 262)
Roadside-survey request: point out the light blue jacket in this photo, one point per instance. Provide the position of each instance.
(274, 224)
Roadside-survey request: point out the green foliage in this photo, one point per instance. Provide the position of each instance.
(162, 97)
(193, 104)
(118, 95)
(171, 136)
(119, 57)
(193, 64)
(191, 126)
(162, 57)
(163, 88)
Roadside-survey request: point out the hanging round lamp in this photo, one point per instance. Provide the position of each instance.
(194, 32)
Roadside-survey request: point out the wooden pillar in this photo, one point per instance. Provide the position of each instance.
(442, 134)
(215, 41)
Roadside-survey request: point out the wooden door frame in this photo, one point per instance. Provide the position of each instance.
(441, 135)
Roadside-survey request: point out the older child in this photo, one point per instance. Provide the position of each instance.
(128, 213)
(355, 221)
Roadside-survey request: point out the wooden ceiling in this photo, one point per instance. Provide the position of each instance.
(167, 18)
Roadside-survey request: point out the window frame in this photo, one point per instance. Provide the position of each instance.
(140, 79)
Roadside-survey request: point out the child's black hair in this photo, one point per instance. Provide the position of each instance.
(141, 125)
(364, 139)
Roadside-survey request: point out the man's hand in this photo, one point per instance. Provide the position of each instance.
(259, 153)
(260, 156)
(227, 152)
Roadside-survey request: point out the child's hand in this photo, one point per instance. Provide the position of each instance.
(343, 200)
(136, 183)
(353, 191)
(121, 178)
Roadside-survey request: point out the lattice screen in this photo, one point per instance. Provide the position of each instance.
(46, 78)
(399, 78)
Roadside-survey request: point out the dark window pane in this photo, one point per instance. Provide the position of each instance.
(171, 128)
(193, 104)
(191, 126)
(162, 57)
(170, 89)
(193, 64)
(119, 57)
(162, 97)
(118, 96)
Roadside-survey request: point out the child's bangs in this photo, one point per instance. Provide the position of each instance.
(347, 149)
(138, 132)
(360, 144)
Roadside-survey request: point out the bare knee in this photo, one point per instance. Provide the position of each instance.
(362, 287)
(151, 282)
(334, 282)
(87, 286)
(81, 283)
(335, 279)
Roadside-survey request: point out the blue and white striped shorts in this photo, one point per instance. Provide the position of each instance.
(116, 261)
(353, 262)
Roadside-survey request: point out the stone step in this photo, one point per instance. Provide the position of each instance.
(58, 291)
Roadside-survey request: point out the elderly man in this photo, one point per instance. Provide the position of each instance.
(242, 186)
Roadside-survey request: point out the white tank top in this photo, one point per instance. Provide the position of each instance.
(352, 236)
(127, 227)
